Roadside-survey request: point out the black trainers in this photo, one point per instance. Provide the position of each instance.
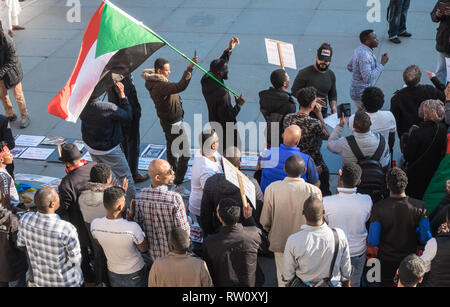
(12, 118)
(395, 40)
(405, 34)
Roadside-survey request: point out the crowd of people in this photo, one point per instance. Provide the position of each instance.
(97, 229)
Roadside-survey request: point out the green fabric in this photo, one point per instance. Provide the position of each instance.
(117, 31)
(436, 189)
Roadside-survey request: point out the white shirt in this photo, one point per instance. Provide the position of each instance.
(349, 211)
(202, 169)
(309, 252)
(118, 239)
(382, 122)
(96, 152)
(429, 252)
(9, 12)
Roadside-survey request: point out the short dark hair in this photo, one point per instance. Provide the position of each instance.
(306, 96)
(372, 99)
(351, 174)
(111, 196)
(43, 197)
(217, 65)
(412, 75)
(294, 166)
(233, 154)
(100, 173)
(160, 62)
(313, 213)
(361, 121)
(278, 77)
(179, 240)
(364, 35)
(396, 180)
(411, 270)
(205, 135)
(229, 211)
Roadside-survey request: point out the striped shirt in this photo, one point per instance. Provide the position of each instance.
(53, 248)
(158, 211)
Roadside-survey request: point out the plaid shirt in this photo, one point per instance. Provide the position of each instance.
(158, 211)
(53, 248)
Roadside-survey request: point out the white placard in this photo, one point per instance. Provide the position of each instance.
(29, 140)
(153, 151)
(32, 177)
(35, 153)
(17, 151)
(287, 52)
(447, 61)
(332, 120)
(232, 173)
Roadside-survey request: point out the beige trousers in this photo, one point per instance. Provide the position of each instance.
(18, 96)
(279, 265)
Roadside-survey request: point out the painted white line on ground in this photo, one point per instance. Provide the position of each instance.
(30, 3)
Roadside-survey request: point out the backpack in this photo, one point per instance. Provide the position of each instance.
(373, 179)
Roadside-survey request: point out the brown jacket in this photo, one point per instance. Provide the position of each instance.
(282, 213)
(165, 94)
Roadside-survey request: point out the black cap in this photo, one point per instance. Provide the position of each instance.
(325, 52)
(69, 153)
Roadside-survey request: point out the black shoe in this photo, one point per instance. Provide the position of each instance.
(395, 40)
(141, 178)
(12, 118)
(405, 34)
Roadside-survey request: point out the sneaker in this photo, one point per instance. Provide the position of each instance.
(24, 122)
(405, 34)
(180, 189)
(12, 118)
(395, 40)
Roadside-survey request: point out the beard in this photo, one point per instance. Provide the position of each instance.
(225, 76)
(322, 67)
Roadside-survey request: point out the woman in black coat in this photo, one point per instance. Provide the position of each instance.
(425, 148)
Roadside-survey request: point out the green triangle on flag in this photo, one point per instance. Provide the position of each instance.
(117, 31)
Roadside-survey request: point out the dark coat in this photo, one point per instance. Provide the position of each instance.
(169, 106)
(6, 133)
(10, 69)
(439, 215)
(131, 93)
(69, 209)
(443, 31)
(424, 151)
(101, 123)
(232, 257)
(275, 104)
(13, 261)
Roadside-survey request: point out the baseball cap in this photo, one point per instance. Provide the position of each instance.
(325, 52)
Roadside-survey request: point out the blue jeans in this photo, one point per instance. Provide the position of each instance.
(357, 269)
(136, 279)
(19, 283)
(119, 166)
(397, 21)
(441, 70)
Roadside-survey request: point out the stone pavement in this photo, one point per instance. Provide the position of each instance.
(49, 46)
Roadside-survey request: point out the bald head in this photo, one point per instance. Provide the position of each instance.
(161, 172)
(292, 135)
(46, 200)
(313, 210)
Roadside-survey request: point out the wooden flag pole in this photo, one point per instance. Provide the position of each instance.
(280, 55)
(242, 190)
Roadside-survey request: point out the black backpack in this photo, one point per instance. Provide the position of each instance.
(373, 179)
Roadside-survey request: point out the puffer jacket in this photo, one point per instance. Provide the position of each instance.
(10, 69)
(168, 103)
(90, 200)
(443, 31)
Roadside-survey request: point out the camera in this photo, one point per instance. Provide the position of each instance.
(344, 108)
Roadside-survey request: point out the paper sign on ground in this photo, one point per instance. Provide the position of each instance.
(36, 153)
(143, 163)
(447, 61)
(87, 157)
(29, 140)
(38, 178)
(332, 120)
(53, 140)
(154, 151)
(232, 174)
(287, 53)
(249, 160)
(17, 151)
(79, 144)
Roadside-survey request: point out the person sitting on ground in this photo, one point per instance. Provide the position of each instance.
(232, 253)
(273, 159)
(411, 271)
(179, 268)
(275, 103)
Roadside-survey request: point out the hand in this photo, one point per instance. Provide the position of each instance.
(114, 181)
(247, 211)
(438, 13)
(233, 43)
(11, 33)
(430, 74)
(321, 101)
(240, 101)
(120, 90)
(131, 212)
(125, 184)
(195, 60)
(443, 228)
(342, 120)
(318, 110)
(384, 59)
(447, 187)
(412, 128)
(447, 92)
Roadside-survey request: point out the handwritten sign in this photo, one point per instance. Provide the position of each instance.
(280, 53)
(245, 185)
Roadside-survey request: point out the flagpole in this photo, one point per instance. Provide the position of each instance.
(172, 47)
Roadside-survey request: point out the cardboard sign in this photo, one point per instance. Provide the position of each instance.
(280, 53)
(236, 177)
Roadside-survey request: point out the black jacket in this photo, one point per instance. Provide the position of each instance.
(6, 133)
(217, 188)
(439, 215)
(13, 261)
(443, 31)
(439, 275)
(218, 99)
(10, 69)
(101, 123)
(232, 257)
(274, 105)
(405, 105)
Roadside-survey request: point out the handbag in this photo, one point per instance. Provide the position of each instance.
(296, 282)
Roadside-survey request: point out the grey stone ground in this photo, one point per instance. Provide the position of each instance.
(49, 46)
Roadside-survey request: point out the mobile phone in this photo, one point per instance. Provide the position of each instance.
(344, 108)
